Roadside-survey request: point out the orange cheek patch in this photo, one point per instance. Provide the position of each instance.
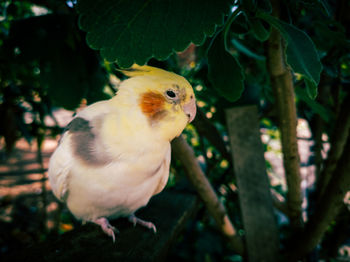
(152, 105)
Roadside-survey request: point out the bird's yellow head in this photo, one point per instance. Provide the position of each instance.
(166, 99)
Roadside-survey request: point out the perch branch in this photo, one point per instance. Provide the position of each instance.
(185, 154)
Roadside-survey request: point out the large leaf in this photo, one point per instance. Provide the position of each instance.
(301, 52)
(134, 31)
(224, 71)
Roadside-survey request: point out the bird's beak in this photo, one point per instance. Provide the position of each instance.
(190, 109)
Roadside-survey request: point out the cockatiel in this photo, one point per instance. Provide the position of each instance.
(115, 154)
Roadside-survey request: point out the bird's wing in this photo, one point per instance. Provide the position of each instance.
(76, 141)
(165, 169)
(59, 168)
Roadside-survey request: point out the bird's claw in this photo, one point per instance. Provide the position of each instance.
(135, 220)
(106, 227)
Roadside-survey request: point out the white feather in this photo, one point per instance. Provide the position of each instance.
(59, 169)
(138, 170)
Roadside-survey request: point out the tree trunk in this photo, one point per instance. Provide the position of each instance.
(283, 88)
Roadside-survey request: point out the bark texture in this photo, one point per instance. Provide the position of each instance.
(283, 89)
(253, 184)
(185, 154)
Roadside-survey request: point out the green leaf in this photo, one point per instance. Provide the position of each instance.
(68, 80)
(63, 86)
(224, 71)
(311, 88)
(316, 107)
(258, 29)
(242, 48)
(240, 24)
(300, 51)
(326, 7)
(330, 33)
(130, 32)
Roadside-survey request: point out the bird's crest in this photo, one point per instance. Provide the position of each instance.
(136, 70)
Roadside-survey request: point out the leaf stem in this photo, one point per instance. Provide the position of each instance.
(228, 24)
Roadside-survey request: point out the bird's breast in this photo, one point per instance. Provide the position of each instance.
(119, 188)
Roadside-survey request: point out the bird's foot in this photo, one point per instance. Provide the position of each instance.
(135, 220)
(106, 227)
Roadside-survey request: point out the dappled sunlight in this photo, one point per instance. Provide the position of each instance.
(25, 190)
(274, 157)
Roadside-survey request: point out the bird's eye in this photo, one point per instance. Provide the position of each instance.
(170, 94)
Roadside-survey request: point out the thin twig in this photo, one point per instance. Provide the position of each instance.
(338, 140)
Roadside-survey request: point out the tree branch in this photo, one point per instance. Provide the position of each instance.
(317, 124)
(338, 140)
(328, 208)
(185, 154)
(279, 202)
(283, 88)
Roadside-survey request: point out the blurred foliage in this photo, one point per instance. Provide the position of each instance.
(46, 62)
